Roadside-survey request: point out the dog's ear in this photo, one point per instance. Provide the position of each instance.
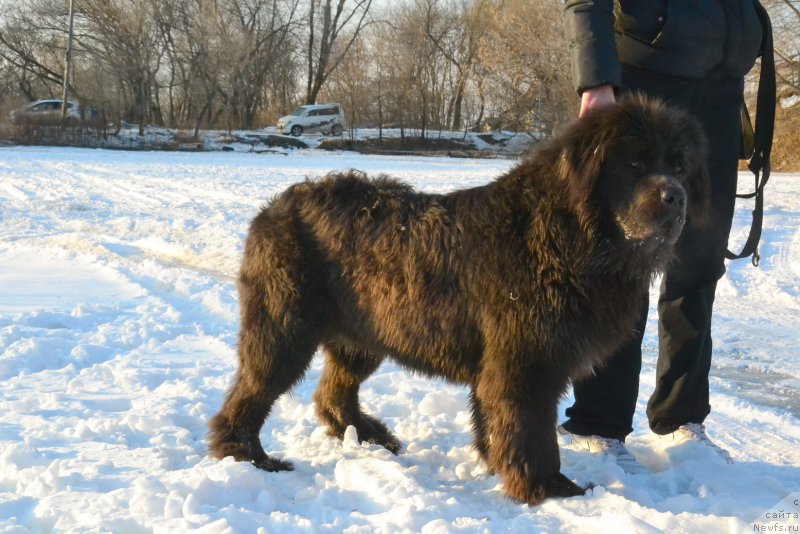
(585, 146)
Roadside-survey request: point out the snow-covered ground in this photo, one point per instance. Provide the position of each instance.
(497, 143)
(118, 323)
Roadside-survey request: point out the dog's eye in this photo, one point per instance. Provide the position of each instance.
(636, 164)
(679, 169)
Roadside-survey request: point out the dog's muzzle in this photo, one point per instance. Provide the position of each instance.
(656, 211)
(673, 203)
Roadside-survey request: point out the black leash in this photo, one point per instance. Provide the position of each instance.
(759, 163)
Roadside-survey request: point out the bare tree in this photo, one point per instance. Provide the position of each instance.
(325, 50)
(197, 61)
(30, 46)
(456, 31)
(525, 63)
(785, 15)
(123, 37)
(351, 84)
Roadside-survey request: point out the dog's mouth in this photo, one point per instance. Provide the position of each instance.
(672, 227)
(664, 231)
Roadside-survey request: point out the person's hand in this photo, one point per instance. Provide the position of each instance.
(596, 98)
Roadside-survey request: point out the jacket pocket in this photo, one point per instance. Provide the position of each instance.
(669, 29)
(642, 21)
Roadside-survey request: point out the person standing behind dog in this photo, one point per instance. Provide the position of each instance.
(692, 54)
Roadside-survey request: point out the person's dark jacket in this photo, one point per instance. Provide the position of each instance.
(688, 38)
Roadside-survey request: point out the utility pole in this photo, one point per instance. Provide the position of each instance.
(68, 65)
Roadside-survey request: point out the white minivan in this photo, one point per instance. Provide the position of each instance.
(316, 118)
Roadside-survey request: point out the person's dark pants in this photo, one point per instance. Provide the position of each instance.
(605, 402)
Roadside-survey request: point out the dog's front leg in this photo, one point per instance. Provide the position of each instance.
(518, 404)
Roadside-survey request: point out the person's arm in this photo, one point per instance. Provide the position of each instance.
(589, 28)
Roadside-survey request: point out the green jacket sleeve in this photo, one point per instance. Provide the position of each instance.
(589, 26)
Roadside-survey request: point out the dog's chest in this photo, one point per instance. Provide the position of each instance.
(582, 321)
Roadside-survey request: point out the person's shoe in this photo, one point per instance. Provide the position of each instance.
(696, 432)
(606, 446)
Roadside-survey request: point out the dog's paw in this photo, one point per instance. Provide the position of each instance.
(272, 464)
(560, 486)
(250, 452)
(371, 430)
(390, 443)
(368, 428)
(242, 453)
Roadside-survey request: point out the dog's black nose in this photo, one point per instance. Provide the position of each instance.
(673, 196)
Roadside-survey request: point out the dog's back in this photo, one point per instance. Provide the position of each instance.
(381, 263)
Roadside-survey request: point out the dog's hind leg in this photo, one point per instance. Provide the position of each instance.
(336, 397)
(519, 408)
(275, 349)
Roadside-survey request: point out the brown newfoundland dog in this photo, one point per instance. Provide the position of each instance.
(512, 289)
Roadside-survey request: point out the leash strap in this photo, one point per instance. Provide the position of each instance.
(759, 163)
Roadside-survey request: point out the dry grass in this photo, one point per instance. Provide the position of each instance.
(55, 132)
(786, 142)
(185, 138)
(396, 145)
(786, 146)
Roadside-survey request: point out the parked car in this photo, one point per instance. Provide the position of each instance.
(50, 110)
(322, 118)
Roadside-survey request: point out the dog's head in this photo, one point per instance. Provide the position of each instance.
(638, 170)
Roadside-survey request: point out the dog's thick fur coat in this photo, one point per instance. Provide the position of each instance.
(512, 289)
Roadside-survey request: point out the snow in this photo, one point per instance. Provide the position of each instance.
(789, 101)
(118, 323)
(494, 143)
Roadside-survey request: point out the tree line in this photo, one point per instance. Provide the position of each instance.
(422, 65)
(237, 64)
